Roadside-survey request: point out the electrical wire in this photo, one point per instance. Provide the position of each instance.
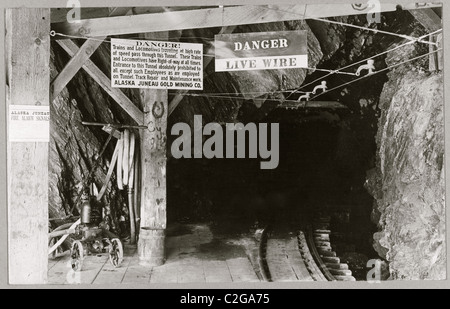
(377, 72)
(411, 39)
(364, 60)
(225, 96)
(404, 36)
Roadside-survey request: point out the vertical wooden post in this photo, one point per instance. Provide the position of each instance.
(153, 166)
(28, 54)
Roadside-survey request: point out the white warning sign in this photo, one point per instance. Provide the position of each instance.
(156, 64)
(29, 123)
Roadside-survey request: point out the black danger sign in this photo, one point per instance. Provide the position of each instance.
(261, 51)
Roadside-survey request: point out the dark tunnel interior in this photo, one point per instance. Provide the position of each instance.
(321, 171)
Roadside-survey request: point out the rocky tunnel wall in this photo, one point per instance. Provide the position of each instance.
(408, 181)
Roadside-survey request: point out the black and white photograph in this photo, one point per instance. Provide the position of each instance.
(225, 144)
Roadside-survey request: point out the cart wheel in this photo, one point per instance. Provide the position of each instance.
(116, 252)
(77, 256)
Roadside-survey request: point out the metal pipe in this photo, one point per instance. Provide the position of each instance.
(113, 125)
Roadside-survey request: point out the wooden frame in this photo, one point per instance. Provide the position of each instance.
(208, 18)
(74, 65)
(71, 48)
(29, 81)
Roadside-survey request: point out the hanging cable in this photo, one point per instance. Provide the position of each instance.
(364, 60)
(380, 71)
(206, 95)
(404, 36)
(411, 39)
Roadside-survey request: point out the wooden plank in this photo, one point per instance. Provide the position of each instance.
(279, 266)
(92, 265)
(208, 18)
(28, 54)
(216, 271)
(165, 274)
(71, 48)
(180, 95)
(431, 22)
(112, 275)
(137, 274)
(58, 274)
(427, 18)
(74, 65)
(241, 270)
(153, 164)
(119, 11)
(60, 14)
(61, 272)
(191, 272)
(296, 261)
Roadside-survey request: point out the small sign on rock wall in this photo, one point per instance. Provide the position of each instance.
(156, 64)
(29, 123)
(261, 51)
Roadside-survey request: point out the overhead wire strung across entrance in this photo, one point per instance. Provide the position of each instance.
(380, 71)
(223, 96)
(404, 36)
(330, 72)
(361, 61)
(205, 55)
(304, 16)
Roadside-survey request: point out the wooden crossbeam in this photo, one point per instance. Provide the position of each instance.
(180, 95)
(60, 14)
(431, 22)
(83, 54)
(119, 11)
(71, 48)
(212, 17)
(427, 18)
(73, 66)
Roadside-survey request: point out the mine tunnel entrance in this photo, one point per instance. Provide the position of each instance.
(321, 172)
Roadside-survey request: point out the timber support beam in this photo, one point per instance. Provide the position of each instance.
(28, 54)
(212, 17)
(151, 247)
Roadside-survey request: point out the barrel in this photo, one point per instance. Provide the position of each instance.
(151, 247)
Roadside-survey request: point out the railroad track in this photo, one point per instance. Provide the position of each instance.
(306, 255)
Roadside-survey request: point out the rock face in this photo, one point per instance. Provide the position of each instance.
(408, 182)
(74, 147)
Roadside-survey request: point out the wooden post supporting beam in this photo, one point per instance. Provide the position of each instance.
(432, 22)
(427, 18)
(71, 48)
(74, 65)
(153, 168)
(212, 17)
(28, 54)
